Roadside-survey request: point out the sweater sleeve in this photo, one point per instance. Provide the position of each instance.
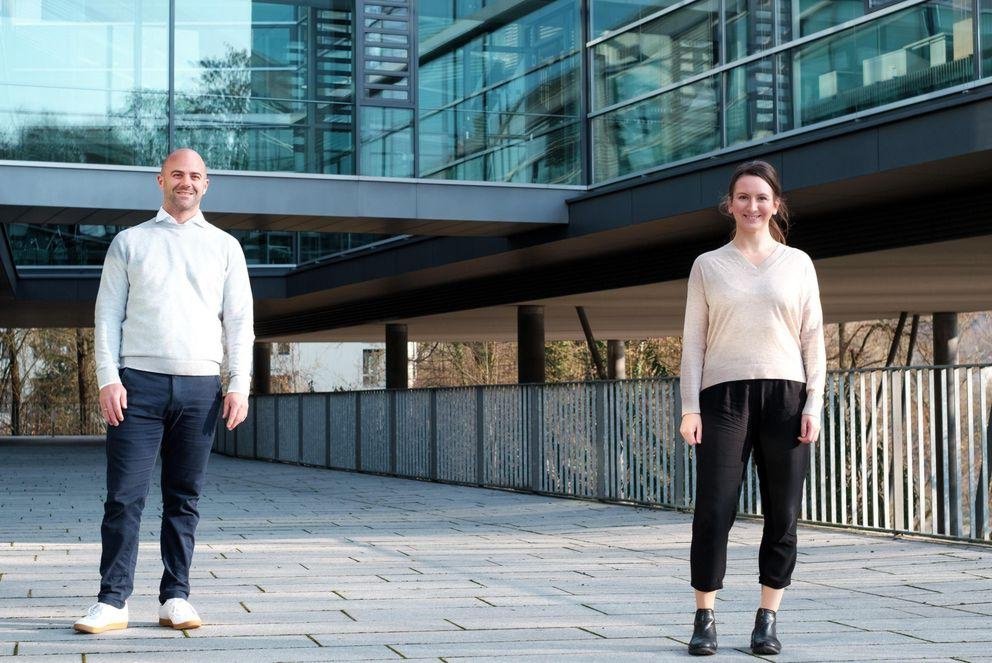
(238, 320)
(811, 342)
(694, 340)
(111, 307)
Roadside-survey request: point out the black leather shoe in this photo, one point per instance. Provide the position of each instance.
(703, 642)
(763, 640)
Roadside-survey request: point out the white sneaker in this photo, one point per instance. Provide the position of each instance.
(179, 614)
(102, 617)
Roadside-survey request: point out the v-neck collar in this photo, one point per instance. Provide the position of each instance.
(762, 266)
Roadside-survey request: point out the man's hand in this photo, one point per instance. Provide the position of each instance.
(809, 430)
(113, 402)
(235, 409)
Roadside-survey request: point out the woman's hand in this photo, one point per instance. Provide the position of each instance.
(809, 430)
(692, 429)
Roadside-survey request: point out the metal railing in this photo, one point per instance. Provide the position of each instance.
(902, 450)
(37, 419)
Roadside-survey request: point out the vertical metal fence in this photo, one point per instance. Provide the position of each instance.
(901, 450)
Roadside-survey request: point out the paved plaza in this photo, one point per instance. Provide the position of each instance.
(301, 564)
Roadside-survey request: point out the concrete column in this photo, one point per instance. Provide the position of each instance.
(945, 353)
(616, 360)
(261, 358)
(397, 357)
(530, 344)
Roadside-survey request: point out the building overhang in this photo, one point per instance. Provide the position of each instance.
(912, 194)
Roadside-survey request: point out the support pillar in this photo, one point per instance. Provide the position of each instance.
(530, 344)
(261, 379)
(397, 357)
(945, 353)
(616, 360)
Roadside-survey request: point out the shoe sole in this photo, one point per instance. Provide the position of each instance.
(702, 651)
(765, 651)
(83, 628)
(193, 623)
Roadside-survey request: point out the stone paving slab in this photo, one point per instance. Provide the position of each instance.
(302, 564)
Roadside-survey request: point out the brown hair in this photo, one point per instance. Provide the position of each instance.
(778, 225)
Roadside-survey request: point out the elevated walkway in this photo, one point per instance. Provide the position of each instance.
(305, 564)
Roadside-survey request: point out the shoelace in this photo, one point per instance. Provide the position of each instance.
(94, 610)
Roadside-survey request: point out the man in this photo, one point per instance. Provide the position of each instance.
(173, 296)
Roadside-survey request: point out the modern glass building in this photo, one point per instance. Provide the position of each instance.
(552, 92)
(434, 135)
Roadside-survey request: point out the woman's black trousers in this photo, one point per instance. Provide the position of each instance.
(741, 417)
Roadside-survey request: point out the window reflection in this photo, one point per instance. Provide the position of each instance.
(678, 45)
(504, 105)
(86, 245)
(83, 82)
(266, 86)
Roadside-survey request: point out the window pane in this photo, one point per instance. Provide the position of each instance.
(749, 28)
(664, 51)
(799, 18)
(84, 81)
(899, 56)
(751, 101)
(505, 105)
(610, 15)
(387, 142)
(986, 30)
(678, 124)
(265, 86)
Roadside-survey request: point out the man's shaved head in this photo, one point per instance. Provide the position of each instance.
(188, 157)
(183, 180)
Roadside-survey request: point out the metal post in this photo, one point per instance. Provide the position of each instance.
(533, 406)
(391, 432)
(299, 429)
(358, 431)
(327, 430)
(275, 416)
(432, 439)
(597, 360)
(601, 419)
(945, 353)
(680, 451)
(480, 436)
(898, 475)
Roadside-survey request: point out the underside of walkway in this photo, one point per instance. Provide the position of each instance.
(302, 564)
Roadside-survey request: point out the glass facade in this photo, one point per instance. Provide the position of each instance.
(662, 93)
(499, 91)
(86, 245)
(490, 90)
(83, 81)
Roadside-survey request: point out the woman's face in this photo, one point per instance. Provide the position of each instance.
(753, 204)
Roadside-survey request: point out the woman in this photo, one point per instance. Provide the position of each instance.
(753, 368)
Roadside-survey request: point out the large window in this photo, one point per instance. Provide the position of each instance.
(609, 15)
(499, 92)
(266, 85)
(83, 82)
(675, 46)
(901, 55)
(643, 118)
